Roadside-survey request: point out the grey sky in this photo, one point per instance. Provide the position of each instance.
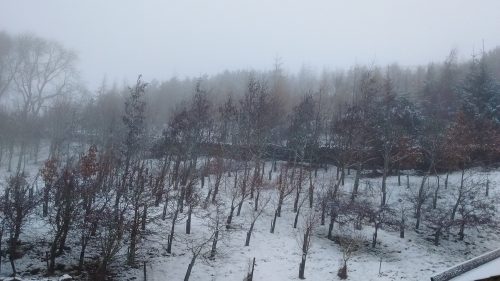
(121, 38)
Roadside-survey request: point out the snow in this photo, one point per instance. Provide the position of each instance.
(278, 255)
(486, 270)
(65, 277)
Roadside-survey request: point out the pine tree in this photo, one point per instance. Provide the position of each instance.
(481, 94)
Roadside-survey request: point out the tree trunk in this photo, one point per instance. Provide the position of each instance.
(65, 230)
(133, 238)
(323, 211)
(487, 188)
(402, 226)
(330, 226)
(437, 235)
(144, 218)
(461, 233)
(297, 194)
(342, 175)
(207, 199)
(374, 237)
(273, 222)
(12, 265)
(216, 186)
(435, 198)
(305, 249)
(356, 181)
(81, 260)
(213, 251)
(53, 252)
(12, 252)
(296, 201)
(302, 267)
(280, 202)
(250, 274)
(230, 217)
(342, 274)
(256, 204)
(384, 181)
(249, 234)
(418, 216)
(46, 191)
(165, 206)
(399, 175)
(172, 231)
(420, 202)
(190, 267)
(262, 172)
(188, 220)
(311, 191)
(243, 191)
(296, 218)
(459, 199)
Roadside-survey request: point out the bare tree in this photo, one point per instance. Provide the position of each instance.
(255, 216)
(65, 203)
(380, 216)
(18, 202)
(198, 246)
(44, 70)
(7, 63)
(175, 219)
(284, 189)
(474, 209)
(139, 185)
(216, 226)
(438, 219)
(305, 238)
(95, 173)
(350, 243)
(237, 194)
(419, 198)
(110, 240)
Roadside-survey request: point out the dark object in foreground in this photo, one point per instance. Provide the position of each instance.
(467, 266)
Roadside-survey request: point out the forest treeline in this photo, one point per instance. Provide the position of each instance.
(381, 117)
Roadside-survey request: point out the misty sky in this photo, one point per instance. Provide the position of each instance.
(121, 38)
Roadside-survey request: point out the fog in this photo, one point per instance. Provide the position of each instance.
(160, 39)
(226, 140)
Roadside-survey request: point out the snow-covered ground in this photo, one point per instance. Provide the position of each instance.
(278, 255)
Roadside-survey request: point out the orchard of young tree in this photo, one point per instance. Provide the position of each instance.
(269, 174)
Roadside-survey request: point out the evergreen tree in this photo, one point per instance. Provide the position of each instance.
(301, 133)
(481, 94)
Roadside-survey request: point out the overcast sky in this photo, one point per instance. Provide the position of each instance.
(121, 38)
